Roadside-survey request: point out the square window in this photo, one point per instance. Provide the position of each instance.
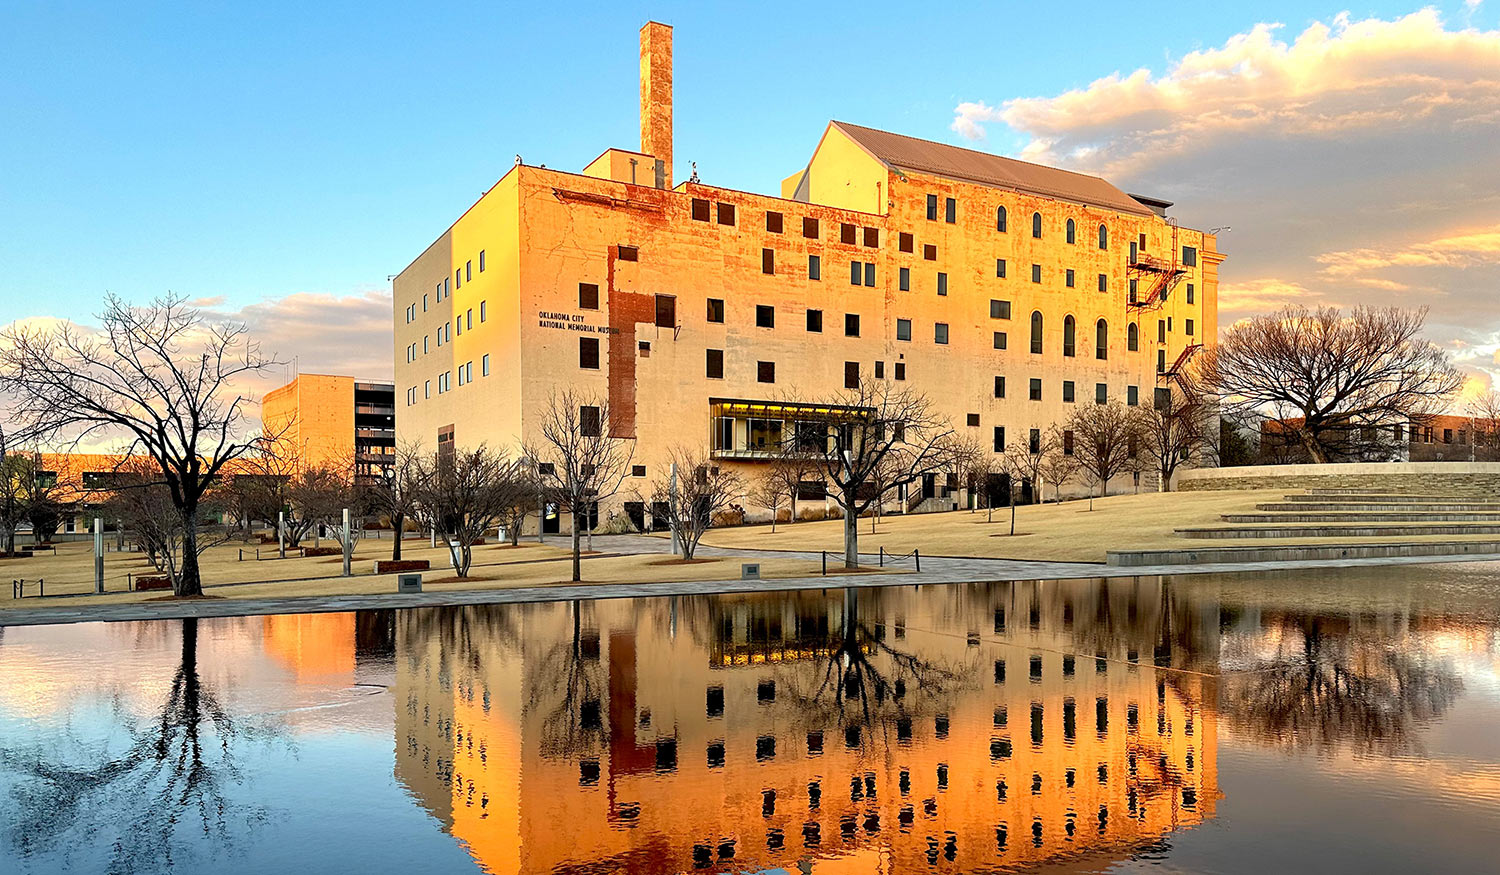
(765, 316)
(588, 353)
(1036, 273)
(1036, 389)
(872, 237)
(700, 210)
(904, 242)
(1000, 340)
(999, 309)
(905, 279)
(1000, 268)
(900, 370)
(880, 370)
(942, 283)
(815, 320)
(588, 296)
(666, 311)
(903, 329)
(929, 252)
(847, 233)
(851, 375)
(999, 387)
(1101, 393)
(1132, 395)
(716, 309)
(588, 421)
(810, 228)
(773, 222)
(628, 253)
(814, 267)
(1067, 391)
(715, 364)
(1188, 326)
(768, 261)
(851, 324)
(725, 213)
(1190, 256)
(940, 332)
(973, 420)
(765, 372)
(638, 470)
(999, 438)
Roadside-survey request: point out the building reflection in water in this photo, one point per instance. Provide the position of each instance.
(881, 730)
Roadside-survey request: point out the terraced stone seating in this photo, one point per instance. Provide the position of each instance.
(1352, 513)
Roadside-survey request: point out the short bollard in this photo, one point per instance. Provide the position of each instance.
(408, 583)
(750, 571)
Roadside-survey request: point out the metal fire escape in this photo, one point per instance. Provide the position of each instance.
(1158, 275)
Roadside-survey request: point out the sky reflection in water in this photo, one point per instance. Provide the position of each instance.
(1246, 723)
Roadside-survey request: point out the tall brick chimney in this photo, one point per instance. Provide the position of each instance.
(656, 99)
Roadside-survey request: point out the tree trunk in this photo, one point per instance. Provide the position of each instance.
(189, 582)
(577, 559)
(398, 522)
(851, 537)
(1012, 514)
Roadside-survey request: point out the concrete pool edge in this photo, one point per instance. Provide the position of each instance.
(943, 572)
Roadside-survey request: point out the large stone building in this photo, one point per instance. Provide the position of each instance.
(1006, 292)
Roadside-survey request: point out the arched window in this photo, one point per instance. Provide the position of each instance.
(1132, 337)
(1101, 339)
(1103, 237)
(1068, 345)
(1072, 231)
(1036, 225)
(999, 218)
(1036, 332)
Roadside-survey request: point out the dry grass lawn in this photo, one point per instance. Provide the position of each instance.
(495, 567)
(1066, 532)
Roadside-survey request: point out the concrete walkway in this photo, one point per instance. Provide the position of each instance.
(935, 570)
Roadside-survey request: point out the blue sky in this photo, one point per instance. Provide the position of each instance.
(260, 150)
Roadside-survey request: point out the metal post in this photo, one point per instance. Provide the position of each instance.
(824, 555)
(882, 556)
(672, 511)
(348, 546)
(98, 555)
(281, 534)
(918, 554)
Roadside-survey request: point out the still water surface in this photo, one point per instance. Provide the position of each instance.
(1335, 721)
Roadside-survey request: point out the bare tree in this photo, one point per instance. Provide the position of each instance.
(523, 498)
(12, 503)
(160, 376)
(579, 460)
(1484, 425)
(877, 438)
(1176, 431)
(140, 501)
(464, 494)
(1103, 437)
(771, 490)
(1059, 460)
(315, 498)
(692, 498)
(972, 461)
(1327, 376)
(394, 495)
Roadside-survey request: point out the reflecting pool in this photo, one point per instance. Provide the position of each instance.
(1342, 721)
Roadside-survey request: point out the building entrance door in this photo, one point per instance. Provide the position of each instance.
(551, 520)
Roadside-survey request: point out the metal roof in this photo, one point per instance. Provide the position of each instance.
(940, 159)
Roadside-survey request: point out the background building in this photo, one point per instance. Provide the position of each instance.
(330, 421)
(1006, 292)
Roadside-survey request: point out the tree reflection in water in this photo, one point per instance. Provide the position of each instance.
(866, 683)
(157, 803)
(1333, 683)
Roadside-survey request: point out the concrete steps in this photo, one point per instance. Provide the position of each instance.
(1397, 516)
(1351, 530)
(1386, 498)
(1288, 553)
(1372, 507)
